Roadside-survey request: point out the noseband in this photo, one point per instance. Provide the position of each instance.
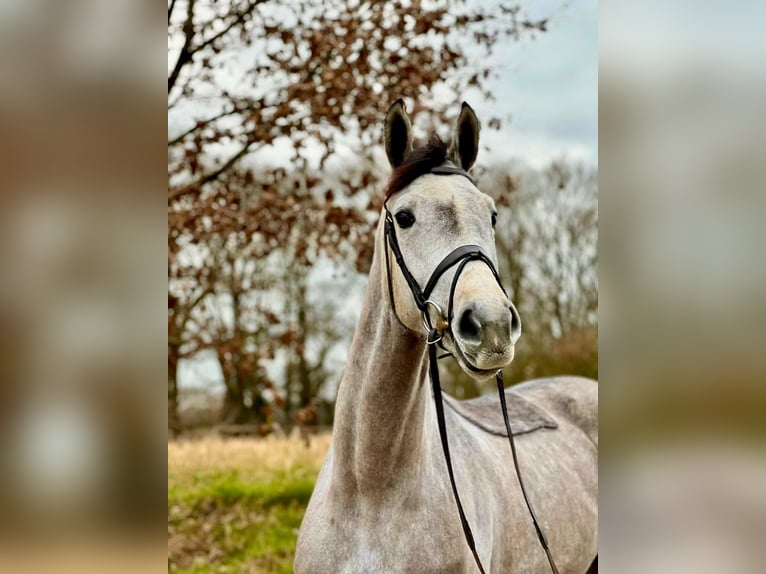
(435, 333)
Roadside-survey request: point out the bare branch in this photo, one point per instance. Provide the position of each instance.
(234, 159)
(193, 187)
(238, 19)
(203, 123)
(170, 9)
(185, 55)
(189, 48)
(197, 300)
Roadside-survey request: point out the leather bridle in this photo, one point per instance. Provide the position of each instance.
(435, 332)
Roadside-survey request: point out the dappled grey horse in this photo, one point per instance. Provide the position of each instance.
(383, 501)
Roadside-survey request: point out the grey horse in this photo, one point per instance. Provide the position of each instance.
(383, 501)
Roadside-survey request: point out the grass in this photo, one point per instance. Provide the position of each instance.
(236, 505)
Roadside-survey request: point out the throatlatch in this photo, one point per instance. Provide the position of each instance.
(436, 330)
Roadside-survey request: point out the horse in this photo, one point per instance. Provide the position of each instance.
(383, 501)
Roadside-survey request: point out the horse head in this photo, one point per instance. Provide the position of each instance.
(440, 232)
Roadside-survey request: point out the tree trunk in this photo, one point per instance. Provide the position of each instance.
(304, 375)
(233, 408)
(174, 420)
(239, 382)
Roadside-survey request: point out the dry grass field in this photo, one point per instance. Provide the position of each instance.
(235, 505)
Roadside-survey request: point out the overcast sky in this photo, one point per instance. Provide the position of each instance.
(549, 87)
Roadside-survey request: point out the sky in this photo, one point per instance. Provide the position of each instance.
(548, 85)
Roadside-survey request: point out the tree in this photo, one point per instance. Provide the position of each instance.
(547, 248)
(314, 77)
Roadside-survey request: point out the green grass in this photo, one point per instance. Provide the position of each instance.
(236, 520)
(227, 488)
(223, 524)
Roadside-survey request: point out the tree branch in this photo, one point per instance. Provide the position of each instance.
(203, 123)
(170, 9)
(185, 55)
(188, 50)
(234, 159)
(177, 338)
(204, 293)
(239, 17)
(213, 175)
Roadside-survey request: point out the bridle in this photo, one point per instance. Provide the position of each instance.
(436, 331)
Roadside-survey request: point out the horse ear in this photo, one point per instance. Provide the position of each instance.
(465, 145)
(397, 133)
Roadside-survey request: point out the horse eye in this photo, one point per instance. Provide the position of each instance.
(494, 218)
(405, 218)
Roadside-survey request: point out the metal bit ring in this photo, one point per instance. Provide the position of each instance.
(441, 322)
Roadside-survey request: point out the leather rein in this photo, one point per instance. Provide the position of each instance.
(436, 331)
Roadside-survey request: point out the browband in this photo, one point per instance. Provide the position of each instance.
(450, 170)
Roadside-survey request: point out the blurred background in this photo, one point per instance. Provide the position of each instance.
(82, 228)
(682, 279)
(272, 127)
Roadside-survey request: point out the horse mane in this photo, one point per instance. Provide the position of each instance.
(419, 161)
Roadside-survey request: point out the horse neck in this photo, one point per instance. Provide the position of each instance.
(381, 420)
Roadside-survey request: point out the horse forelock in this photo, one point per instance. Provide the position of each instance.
(419, 161)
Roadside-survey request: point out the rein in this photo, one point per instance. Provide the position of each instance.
(436, 330)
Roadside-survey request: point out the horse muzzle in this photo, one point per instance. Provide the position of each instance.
(485, 336)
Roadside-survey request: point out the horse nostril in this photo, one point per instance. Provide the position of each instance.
(469, 325)
(515, 323)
